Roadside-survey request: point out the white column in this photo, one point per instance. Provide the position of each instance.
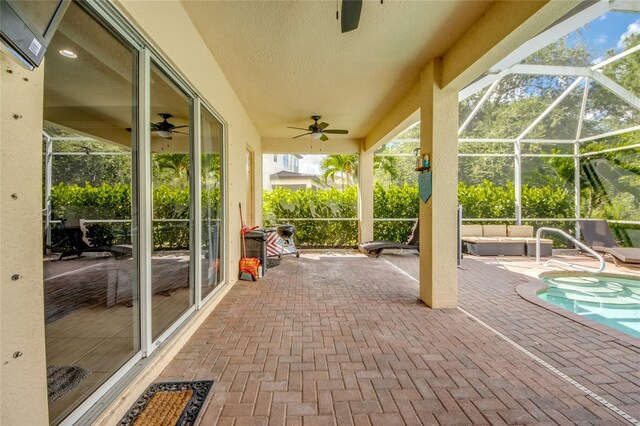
(365, 196)
(438, 217)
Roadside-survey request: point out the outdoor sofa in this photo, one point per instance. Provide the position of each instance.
(502, 240)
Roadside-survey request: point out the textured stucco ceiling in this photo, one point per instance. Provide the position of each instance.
(288, 60)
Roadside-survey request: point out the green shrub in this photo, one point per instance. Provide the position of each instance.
(281, 205)
(113, 202)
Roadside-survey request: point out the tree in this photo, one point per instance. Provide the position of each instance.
(344, 166)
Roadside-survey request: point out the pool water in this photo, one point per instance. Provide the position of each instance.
(611, 300)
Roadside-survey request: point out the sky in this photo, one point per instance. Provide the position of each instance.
(606, 32)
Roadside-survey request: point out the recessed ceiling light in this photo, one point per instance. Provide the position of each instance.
(68, 53)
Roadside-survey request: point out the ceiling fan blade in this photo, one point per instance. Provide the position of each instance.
(180, 133)
(299, 136)
(324, 137)
(323, 125)
(297, 128)
(180, 127)
(350, 15)
(337, 131)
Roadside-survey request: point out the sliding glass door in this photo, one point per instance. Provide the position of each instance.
(171, 131)
(91, 290)
(133, 218)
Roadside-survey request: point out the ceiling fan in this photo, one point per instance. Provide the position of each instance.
(317, 131)
(351, 10)
(163, 128)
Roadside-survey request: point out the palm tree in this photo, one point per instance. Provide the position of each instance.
(388, 165)
(343, 165)
(177, 163)
(346, 166)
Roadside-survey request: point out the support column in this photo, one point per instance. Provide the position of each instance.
(438, 138)
(365, 196)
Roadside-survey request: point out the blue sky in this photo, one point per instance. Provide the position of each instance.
(606, 32)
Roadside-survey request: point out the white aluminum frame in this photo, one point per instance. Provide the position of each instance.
(585, 75)
(105, 12)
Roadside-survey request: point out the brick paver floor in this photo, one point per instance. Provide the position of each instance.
(345, 340)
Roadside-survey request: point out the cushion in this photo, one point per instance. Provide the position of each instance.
(522, 231)
(494, 230)
(471, 231)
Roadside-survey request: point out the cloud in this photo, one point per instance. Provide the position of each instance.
(310, 164)
(632, 29)
(601, 39)
(603, 17)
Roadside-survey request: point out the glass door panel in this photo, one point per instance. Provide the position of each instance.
(170, 127)
(91, 297)
(211, 189)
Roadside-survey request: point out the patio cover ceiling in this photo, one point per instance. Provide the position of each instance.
(288, 60)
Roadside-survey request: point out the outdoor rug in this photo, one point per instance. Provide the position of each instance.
(61, 379)
(168, 404)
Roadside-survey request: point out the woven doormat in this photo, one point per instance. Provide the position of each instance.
(165, 404)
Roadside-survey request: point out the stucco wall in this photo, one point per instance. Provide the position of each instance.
(23, 384)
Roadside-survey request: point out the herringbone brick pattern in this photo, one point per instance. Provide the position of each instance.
(345, 340)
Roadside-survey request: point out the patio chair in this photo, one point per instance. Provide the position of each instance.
(598, 236)
(375, 248)
(77, 234)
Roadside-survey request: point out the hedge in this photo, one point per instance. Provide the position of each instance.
(113, 202)
(283, 205)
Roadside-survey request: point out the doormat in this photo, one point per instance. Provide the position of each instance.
(165, 404)
(61, 379)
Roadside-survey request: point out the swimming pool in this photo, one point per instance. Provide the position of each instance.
(609, 299)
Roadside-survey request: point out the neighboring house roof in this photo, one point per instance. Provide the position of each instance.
(285, 175)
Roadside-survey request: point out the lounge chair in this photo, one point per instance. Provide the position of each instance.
(77, 233)
(375, 248)
(598, 235)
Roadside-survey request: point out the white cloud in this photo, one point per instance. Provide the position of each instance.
(601, 39)
(633, 28)
(602, 18)
(310, 164)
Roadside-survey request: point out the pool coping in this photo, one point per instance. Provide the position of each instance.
(530, 289)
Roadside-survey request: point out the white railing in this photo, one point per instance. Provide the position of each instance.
(574, 241)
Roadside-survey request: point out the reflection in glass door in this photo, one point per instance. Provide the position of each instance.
(91, 297)
(170, 127)
(211, 195)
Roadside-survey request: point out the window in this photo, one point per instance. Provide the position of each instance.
(275, 158)
(285, 160)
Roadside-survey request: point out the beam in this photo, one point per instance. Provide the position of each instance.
(550, 108)
(507, 33)
(399, 118)
(616, 89)
(477, 107)
(310, 146)
(519, 41)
